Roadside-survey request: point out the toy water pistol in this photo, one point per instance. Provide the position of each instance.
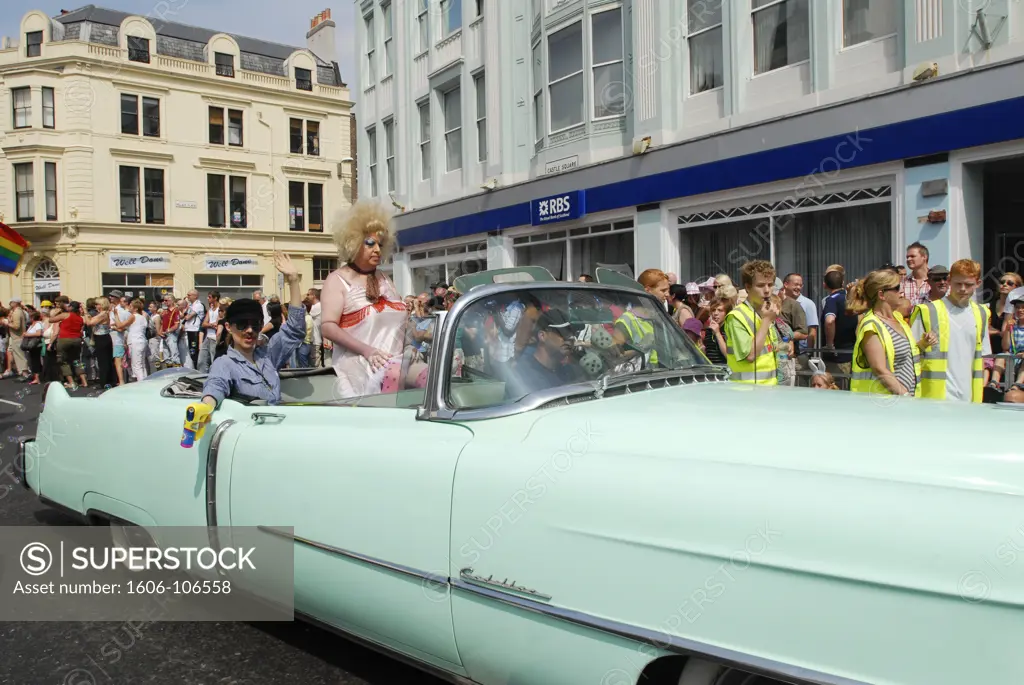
(197, 415)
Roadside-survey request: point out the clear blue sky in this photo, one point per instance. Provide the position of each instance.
(281, 21)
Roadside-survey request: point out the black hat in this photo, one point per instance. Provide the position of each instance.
(244, 308)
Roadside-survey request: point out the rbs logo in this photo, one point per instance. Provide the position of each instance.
(558, 205)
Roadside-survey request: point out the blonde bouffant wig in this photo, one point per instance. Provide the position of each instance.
(364, 219)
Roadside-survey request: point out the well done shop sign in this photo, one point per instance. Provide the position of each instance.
(152, 260)
(231, 263)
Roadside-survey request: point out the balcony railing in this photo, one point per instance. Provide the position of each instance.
(227, 70)
(304, 84)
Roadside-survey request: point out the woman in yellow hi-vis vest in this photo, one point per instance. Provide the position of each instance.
(749, 332)
(886, 358)
(636, 327)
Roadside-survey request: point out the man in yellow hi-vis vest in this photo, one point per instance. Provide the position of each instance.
(750, 349)
(954, 368)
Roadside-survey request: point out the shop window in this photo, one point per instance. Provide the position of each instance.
(33, 44)
(452, 109)
(606, 59)
(704, 35)
(225, 64)
(425, 166)
(147, 287)
(565, 77)
(129, 185)
(323, 267)
(49, 112)
(303, 79)
(481, 117)
(24, 193)
(153, 180)
(50, 189)
(389, 153)
(138, 49)
(21, 99)
(781, 34)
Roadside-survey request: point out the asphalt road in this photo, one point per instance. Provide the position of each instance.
(167, 652)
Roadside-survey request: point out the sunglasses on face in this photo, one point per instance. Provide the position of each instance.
(891, 290)
(1012, 284)
(938, 279)
(371, 242)
(245, 324)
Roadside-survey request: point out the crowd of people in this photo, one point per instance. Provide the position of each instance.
(113, 339)
(903, 330)
(914, 330)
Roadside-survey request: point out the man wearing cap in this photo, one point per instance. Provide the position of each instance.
(938, 282)
(545, 367)
(248, 368)
(954, 367)
(16, 321)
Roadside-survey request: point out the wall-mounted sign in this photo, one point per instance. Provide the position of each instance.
(155, 260)
(46, 285)
(563, 207)
(231, 263)
(186, 204)
(560, 165)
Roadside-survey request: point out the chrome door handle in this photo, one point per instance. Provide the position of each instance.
(259, 418)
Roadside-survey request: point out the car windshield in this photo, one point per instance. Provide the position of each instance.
(525, 341)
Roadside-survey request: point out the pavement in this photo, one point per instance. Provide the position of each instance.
(38, 653)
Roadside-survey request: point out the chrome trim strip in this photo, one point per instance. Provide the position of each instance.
(211, 481)
(432, 578)
(467, 575)
(672, 643)
(402, 657)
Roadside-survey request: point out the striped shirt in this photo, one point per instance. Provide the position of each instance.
(903, 361)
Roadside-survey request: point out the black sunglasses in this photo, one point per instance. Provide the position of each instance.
(244, 324)
(1009, 283)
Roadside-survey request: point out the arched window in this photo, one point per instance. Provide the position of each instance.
(46, 269)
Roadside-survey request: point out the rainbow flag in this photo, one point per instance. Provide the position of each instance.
(12, 249)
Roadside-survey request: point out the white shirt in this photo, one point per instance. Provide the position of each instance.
(211, 330)
(137, 330)
(193, 325)
(963, 336)
(315, 313)
(266, 312)
(122, 314)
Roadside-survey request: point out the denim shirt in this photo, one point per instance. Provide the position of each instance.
(234, 373)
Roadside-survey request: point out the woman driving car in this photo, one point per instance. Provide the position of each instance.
(249, 368)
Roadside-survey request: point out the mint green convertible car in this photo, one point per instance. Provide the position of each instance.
(578, 497)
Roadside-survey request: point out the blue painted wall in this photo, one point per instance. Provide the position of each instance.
(935, 237)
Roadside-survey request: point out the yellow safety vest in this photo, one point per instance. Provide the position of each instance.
(935, 317)
(763, 370)
(638, 329)
(862, 377)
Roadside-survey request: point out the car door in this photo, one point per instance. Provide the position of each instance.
(368, 493)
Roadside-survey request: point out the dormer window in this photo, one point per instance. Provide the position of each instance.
(303, 79)
(34, 44)
(225, 64)
(138, 49)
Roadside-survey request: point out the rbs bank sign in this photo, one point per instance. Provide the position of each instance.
(562, 207)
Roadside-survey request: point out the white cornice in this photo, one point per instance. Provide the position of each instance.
(12, 151)
(139, 87)
(300, 172)
(225, 164)
(305, 112)
(141, 154)
(226, 101)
